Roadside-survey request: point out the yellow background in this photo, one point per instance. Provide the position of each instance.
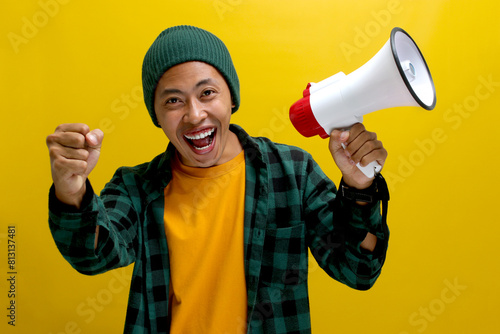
(80, 61)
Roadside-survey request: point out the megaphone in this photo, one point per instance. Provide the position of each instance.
(396, 76)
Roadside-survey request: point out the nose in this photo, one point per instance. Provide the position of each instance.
(195, 112)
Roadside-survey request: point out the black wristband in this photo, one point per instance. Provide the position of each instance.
(377, 191)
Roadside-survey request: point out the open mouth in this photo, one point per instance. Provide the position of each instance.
(201, 140)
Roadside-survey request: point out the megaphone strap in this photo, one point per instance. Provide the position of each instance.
(378, 191)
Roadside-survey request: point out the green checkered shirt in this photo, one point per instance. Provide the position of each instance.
(290, 206)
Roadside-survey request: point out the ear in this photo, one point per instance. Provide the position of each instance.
(157, 121)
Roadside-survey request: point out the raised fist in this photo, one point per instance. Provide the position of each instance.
(74, 151)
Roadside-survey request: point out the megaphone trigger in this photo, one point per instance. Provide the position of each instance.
(371, 169)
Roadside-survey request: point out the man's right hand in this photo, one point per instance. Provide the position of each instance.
(74, 151)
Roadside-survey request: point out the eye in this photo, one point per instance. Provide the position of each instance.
(208, 92)
(172, 100)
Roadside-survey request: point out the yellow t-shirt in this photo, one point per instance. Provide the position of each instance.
(204, 209)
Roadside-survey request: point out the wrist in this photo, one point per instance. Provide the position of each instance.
(353, 183)
(74, 199)
(372, 193)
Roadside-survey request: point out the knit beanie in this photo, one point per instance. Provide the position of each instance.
(180, 44)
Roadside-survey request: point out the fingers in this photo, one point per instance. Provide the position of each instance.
(74, 151)
(64, 168)
(75, 136)
(363, 147)
(70, 147)
(73, 127)
(337, 139)
(339, 136)
(69, 135)
(94, 138)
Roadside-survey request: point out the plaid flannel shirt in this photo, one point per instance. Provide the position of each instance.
(290, 206)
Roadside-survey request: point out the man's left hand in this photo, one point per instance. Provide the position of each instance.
(361, 146)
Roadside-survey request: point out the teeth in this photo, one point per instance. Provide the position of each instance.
(200, 135)
(201, 148)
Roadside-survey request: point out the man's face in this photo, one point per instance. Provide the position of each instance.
(193, 107)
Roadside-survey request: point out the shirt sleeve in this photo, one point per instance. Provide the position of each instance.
(336, 228)
(74, 230)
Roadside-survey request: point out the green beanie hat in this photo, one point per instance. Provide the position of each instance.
(180, 44)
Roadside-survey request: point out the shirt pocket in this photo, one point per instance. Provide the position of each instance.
(284, 261)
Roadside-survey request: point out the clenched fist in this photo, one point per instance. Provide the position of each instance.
(74, 151)
(361, 146)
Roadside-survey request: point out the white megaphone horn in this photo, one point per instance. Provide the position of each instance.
(396, 76)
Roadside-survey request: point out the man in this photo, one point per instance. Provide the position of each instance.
(218, 226)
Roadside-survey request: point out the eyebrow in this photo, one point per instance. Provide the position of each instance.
(178, 91)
